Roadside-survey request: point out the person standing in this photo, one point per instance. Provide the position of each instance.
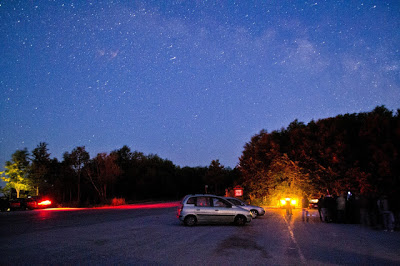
(341, 208)
(387, 215)
(320, 206)
(364, 216)
(288, 207)
(304, 205)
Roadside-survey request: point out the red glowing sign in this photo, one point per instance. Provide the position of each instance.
(238, 191)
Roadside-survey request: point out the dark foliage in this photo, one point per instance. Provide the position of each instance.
(356, 152)
(78, 180)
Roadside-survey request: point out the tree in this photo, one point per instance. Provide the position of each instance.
(77, 159)
(356, 152)
(102, 173)
(16, 172)
(40, 167)
(257, 156)
(287, 176)
(215, 177)
(190, 180)
(66, 181)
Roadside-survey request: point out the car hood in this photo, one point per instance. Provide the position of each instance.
(254, 207)
(241, 208)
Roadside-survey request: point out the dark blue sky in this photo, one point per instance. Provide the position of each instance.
(191, 81)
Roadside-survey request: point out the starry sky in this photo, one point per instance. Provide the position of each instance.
(191, 81)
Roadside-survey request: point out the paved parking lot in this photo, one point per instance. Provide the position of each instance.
(155, 236)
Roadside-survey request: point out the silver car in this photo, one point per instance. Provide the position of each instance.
(255, 210)
(205, 208)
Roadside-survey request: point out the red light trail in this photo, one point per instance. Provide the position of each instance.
(121, 207)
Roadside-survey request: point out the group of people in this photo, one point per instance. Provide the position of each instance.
(378, 213)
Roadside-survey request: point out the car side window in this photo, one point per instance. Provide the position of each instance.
(191, 200)
(236, 202)
(241, 203)
(219, 203)
(203, 201)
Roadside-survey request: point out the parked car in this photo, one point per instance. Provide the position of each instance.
(30, 203)
(205, 208)
(4, 204)
(313, 204)
(38, 202)
(255, 210)
(17, 204)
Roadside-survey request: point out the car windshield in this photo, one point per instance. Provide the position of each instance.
(236, 202)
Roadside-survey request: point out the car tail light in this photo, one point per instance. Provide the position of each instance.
(44, 203)
(179, 210)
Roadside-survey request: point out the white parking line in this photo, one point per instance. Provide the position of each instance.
(302, 258)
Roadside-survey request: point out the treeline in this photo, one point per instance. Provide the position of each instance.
(352, 152)
(125, 174)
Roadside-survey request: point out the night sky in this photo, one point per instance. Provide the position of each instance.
(191, 81)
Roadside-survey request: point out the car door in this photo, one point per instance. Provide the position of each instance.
(223, 211)
(204, 210)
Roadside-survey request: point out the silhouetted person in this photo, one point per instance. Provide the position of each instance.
(387, 215)
(364, 215)
(330, 208)
(320, 206)
(288, 207)
(304, 206)
(341, 208)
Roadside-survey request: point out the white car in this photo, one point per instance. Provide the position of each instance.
(255, 210)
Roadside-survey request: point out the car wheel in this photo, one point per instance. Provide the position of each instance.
(254, 213)
(240, 220)
(190, 220)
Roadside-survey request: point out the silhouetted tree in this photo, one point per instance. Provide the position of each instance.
(76, 160)
(357, 152)
(39, 173)
(215, 178)
(102, 172)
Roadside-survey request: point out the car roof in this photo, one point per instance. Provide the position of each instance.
(233, 198)
(201, 195)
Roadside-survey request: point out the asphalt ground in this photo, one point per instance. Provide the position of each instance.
(150, 234)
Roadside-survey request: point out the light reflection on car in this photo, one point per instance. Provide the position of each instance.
(255, 210)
